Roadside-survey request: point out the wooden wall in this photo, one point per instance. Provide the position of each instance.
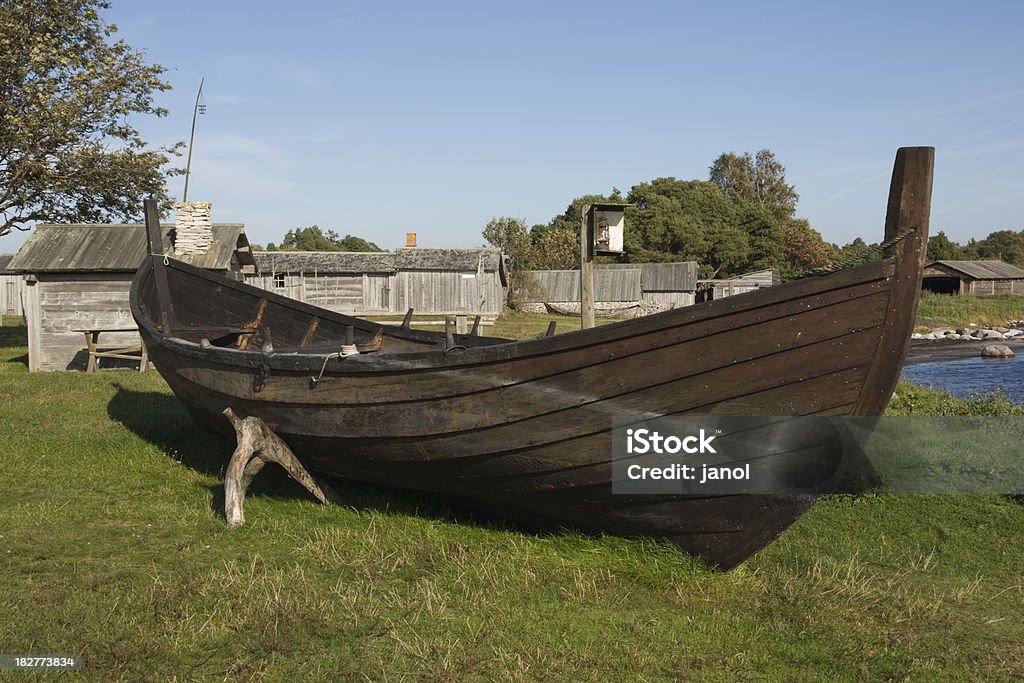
(57, 305)
(12, 293)
(426, 291)
(620, 285)
(995, 287)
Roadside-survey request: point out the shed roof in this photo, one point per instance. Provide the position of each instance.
(325, 261)
(379, 261)
(984, 270)
(117, 248)
(4, 260)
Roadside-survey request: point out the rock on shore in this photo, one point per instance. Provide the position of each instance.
(997, 351)
(971, 334)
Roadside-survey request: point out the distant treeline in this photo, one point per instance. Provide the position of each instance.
(314, 239)
(741, 219)
(1005, 245)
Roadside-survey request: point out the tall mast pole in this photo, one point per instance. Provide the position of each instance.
(188, 164)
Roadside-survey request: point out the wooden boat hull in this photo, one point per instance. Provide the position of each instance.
(526, 427)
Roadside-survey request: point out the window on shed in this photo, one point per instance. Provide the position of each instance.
(279, 281)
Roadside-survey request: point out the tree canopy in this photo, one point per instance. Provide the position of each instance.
(511, 236)
(1004, 245)
(693, 220)
(760, 179)
(67, 91)
(314, 239)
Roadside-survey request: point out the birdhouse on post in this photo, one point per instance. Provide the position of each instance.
(607, 224)
(601, 231)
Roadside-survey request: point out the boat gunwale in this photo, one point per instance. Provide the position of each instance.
(436, 359)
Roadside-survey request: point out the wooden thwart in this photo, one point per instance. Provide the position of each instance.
(258, 445)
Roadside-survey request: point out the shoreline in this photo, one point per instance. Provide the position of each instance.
(929, 350)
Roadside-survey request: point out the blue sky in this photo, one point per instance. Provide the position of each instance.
(378, 119)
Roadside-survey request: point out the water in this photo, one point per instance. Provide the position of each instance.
(961, 377)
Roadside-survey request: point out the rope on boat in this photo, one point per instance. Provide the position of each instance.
(858, 259)
(345, 351)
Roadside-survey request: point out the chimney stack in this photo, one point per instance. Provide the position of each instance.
(410, 240)
(193, 228)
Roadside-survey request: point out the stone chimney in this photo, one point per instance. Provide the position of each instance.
(193, 229)
(410, 239)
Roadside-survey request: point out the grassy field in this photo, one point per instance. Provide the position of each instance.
(942, 310)
(112, 547)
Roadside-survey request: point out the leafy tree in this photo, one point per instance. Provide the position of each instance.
(1005, 245)
(554, 248)
(855, 249)
(760, 179)
(313, 239)
(804, 247)
(556, 244)
(67, 91)
(941, 248)
(680, 220)
(765, 235)
(511, 236)
(353, 243)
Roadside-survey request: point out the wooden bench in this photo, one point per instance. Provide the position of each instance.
(136, 352)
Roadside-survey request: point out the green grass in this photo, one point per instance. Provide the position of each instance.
(943, 310)
(112, 546)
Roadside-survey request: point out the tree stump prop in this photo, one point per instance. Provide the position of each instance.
(258, 445)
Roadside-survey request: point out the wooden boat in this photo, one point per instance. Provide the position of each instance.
(525, 426)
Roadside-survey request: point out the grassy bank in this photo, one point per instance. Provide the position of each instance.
(942, 310)
(112, 547)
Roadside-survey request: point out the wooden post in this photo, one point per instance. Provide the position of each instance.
(461, 323)
(156, 254)
(586, 271)
(258, 445)
(910, 193)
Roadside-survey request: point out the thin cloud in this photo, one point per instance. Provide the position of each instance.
(998, 128)
(291, 74)
(851, 188)
(221, 98)
(984, 150)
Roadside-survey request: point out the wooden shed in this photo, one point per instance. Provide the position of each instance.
(980, 278)
(619, 288)
(434, 281)
(12, 288)
(709, 290)
(78, 278)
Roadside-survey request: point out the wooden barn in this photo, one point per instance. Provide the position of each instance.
(980, 278)
(621, 289)
(433, 281)
(12, 288)
(709, 290)
(78, 278)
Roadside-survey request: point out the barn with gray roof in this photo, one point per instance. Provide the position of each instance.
(980, 278)
(433, 281)
(78, 277)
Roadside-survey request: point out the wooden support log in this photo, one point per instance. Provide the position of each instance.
(258, 445)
